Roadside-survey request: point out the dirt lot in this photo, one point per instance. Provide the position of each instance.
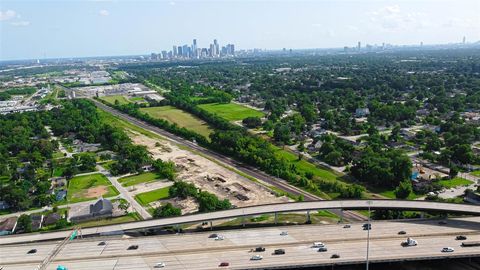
(208, 175)
(96, 192)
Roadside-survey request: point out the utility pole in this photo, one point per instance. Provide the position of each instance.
(369, 227)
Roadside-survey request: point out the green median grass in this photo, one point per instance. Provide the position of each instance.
(138, 178)
(455, 182)
(89, 187)
(151, 196)
(179, 117)
(111, 99)
(231, 111)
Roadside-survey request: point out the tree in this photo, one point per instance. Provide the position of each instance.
(182, 190)
(252, 122)
(453, 172)
(281, 133)
(166, 210)
(404, 189)
(24, 223)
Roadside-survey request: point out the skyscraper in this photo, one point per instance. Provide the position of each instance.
(194, 48)
(359, 46)
(216, 48)
(464, 40)
(174, 51)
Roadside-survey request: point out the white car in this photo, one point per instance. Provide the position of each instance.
(318, 245)
(256, 257)
(284, 233)
(219, 238)
(448, 249)
(160, 265)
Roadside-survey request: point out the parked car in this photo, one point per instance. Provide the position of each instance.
(160, 265)
(347, 226)
(132, 247)
(279, 251)
(256, 257)
(103, 243)
(32, 251)
(259, 249)
(322, 249)
(448, 249)
(335, 256)
(402, 232)
(223, 264)
(461, 237)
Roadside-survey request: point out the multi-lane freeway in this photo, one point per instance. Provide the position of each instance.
(198, 251)
(253, 211)
(249, 170)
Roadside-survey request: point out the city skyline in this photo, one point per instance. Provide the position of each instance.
(117, 27)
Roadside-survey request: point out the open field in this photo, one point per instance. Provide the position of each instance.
(151, 196)
(137, 179)
(179, 117)
(111, 99)
(88, 187)
(231, 111)
(457, 181)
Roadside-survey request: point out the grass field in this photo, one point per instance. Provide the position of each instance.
(476, 173)
(111, 99)
(457, 181)
(231, 111)
(88, 187)
(137, 179)
(179, 117)
(151, 196)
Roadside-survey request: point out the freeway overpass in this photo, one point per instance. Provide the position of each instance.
(253, 211)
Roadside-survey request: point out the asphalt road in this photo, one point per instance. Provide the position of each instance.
(258, 174)
(198, 251)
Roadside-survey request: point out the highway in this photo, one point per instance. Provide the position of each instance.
(249, 170)
(198, 251)
(254, 211)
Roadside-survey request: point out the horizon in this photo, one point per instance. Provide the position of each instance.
(102, 28)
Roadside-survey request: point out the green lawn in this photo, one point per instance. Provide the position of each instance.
(476, 173)
(137, 179)
(391, 195)
(111, 99)
(82, 188)
(4, 179)
(179, 117)
(151, 196)
(457, 181)
(137, 99)
(231, 111)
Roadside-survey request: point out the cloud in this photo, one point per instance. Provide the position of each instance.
(20, 23)
(392, 18)
(104, 12)
(172, 3)
(7, 15)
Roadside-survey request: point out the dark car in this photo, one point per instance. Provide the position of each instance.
(32, 251)
(103, 243)
(322, 249)
(402, 232)
(279, 251)
(443, 222)
(335, 256)
(224, 264)
(367, 226)
(347, 226)
(461, 237)
(132, 247)
(213, 235)
(259, 249)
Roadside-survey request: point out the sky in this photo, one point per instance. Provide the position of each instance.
(36, 29)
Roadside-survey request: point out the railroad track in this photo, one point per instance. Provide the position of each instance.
(244, 168)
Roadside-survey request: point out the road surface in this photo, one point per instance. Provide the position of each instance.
(198, 251)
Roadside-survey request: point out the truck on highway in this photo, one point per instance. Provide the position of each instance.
(409, 242)
(471, 244)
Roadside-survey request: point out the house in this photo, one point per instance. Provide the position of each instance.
(58, 182)
(101, 208)
(4, 205)
(8, 226)
(61, 195)
(51, 219)
(362, 112)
